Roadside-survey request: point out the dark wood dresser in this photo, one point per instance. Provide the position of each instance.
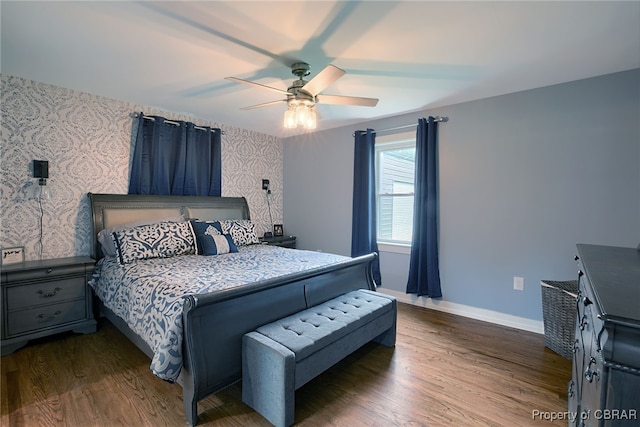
(41, 298)
(605, 385)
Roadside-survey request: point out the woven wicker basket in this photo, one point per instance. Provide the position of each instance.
(559, 315)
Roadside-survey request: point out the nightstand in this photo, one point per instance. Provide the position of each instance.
(283, 241)
(41, 298)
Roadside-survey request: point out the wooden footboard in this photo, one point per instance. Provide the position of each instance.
(215, 323)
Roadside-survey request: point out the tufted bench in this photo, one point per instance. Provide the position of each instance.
(282, 356)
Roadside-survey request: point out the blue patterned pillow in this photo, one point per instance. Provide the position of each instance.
(243, 231)
(105, 236)
(210, 240)
(161, 240)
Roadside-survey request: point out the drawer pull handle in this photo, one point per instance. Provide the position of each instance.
(589, 375)
(44, 294)
(46, 317)
(583, 323)
(576, 346)
(49, 270)
(570, 389)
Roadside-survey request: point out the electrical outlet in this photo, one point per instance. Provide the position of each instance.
(265, 184)
(518, 283)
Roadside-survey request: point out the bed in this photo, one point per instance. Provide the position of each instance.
(215, 307)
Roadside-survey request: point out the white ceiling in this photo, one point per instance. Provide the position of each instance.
(411, 55)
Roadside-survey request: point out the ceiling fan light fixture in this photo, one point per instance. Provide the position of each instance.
(300, 113)
(290, 119)
(310, 122)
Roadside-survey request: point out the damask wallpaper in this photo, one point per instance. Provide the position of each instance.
(87, 140)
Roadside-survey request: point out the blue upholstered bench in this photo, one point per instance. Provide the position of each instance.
(282, 356)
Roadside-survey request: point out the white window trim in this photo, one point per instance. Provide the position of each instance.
(393, 142)
(396, 248)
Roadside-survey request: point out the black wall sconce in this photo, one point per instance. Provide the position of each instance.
(265, 187)
(41, 170)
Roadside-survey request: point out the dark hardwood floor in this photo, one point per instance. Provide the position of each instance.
(445, 370)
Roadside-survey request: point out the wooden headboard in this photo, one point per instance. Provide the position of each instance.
(110, 210)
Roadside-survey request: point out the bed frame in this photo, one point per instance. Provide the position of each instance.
(214, 323)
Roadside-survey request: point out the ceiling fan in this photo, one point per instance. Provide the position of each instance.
(303, 95)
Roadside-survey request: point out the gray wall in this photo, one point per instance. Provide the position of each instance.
(523, 178)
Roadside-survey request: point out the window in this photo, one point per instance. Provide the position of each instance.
(395, 170)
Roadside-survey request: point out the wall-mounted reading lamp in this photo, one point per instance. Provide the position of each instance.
(41, 171)
(267, 190)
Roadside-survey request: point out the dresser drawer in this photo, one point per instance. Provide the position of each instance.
(23, 321)
(49, 292)
(43, 273)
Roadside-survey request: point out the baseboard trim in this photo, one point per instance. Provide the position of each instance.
(482, 314)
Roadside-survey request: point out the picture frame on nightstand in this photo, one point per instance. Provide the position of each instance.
(278, 230)
(12, 255)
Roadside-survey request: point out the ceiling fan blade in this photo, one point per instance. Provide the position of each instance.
(323, 79)
(247, 82)
(347, 100)
(264, 104)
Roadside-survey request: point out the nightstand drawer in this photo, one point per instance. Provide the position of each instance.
(50, 292)
(38, 318)
(43, 273)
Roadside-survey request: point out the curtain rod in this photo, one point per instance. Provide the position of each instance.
(435, 119)
(171, 122)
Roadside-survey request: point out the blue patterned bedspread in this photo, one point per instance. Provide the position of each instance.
(148, 294)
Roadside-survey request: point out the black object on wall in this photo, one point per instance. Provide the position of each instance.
(40, 169)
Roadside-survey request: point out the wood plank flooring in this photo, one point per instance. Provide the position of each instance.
(445, 370)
